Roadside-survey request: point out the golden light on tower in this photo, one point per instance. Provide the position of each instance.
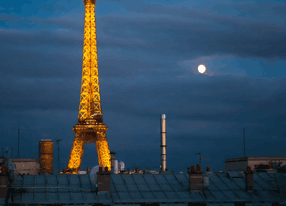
(90, 127)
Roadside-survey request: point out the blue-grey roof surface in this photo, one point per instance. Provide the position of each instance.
(168, 189)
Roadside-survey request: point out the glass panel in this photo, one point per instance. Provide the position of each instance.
(51, 180)
(218, 195)
(76, 196)
(143, 187)
(132, 188)
(63, 180)
(121, 188)
(136, 195)
(150, 179)
(160, 195)
(117, 179)
(138, 179)
(166, 187)
(171, 178)
(148, 195)
(161, 179)
(184, 195)
(177, 186)
(155, 187)
(29, 181)
(128, 179)
(172, 195)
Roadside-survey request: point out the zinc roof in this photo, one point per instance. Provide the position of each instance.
(169, 189)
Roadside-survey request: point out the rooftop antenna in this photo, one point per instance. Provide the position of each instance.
(18, 143)
(58, 141)
(244, 142)
(202, 159)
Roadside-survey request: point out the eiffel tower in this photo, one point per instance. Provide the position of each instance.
(90, 127)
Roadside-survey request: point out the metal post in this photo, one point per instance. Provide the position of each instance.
(200, 160)
(18, 143)
(244, 141)
(58, 141)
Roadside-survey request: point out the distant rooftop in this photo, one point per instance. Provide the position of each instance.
(254, 158)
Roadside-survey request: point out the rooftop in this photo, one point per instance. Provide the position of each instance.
(152, 188)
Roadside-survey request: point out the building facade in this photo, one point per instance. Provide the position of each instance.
(24, 166)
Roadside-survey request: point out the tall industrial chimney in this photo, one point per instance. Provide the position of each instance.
(163, 142)
(46, 149)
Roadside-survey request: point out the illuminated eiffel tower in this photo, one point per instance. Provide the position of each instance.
(90, 127)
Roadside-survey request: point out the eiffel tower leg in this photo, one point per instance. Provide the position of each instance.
(103, 152)
(76, 153)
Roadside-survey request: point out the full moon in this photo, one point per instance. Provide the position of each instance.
(201, 68)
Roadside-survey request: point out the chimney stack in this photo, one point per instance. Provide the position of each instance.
(103, 179)
(248, 179)
(196, 178)
(163, 143)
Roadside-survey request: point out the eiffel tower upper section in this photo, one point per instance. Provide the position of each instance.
(90, 106)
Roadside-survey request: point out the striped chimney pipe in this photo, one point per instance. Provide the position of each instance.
(163, 142)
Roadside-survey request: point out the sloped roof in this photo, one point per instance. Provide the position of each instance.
(138, 188)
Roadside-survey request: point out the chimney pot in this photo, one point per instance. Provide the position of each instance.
(248, 169)
(106, 169)
(198, 168)
(100, 169)
(208, 169)
(192, 168)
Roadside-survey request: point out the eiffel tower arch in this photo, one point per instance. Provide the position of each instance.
(90, 127)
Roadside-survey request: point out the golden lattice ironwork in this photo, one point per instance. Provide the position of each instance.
(90, 127)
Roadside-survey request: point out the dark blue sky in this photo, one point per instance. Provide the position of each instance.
(148, 54)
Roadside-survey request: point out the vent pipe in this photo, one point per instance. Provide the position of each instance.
(112, 159)
(163, 142)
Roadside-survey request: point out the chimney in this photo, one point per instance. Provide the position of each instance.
(112, 161)
(208, 169)
(248, 179)
(196, 178)
(103, 179)
(163, 143)
(198, 168)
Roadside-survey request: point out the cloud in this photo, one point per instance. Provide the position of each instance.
(52, 7)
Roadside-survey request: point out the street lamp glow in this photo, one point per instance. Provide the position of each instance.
(201, 68)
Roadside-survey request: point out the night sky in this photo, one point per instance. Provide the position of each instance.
(148, 54)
